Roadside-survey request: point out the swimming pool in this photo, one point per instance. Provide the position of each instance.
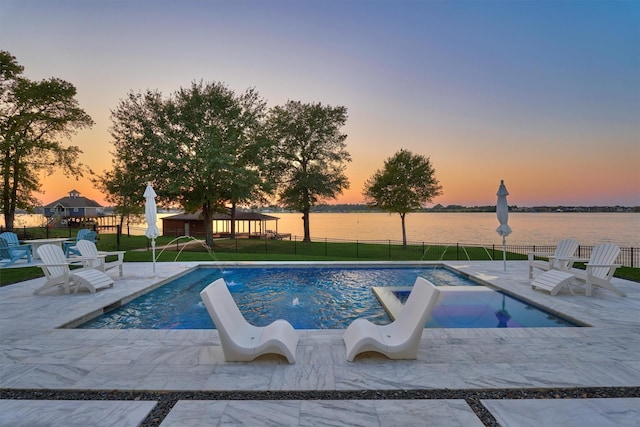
(307, 297)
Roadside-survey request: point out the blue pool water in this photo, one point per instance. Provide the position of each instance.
(313, 298)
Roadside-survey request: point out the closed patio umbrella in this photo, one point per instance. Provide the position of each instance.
(502, 211)
(151, 214)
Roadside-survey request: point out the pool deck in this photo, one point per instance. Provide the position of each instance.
(35, 354)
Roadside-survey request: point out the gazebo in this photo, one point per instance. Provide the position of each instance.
(248, 224)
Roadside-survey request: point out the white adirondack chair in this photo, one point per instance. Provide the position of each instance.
(92, 258)
(558, 260)
(57, 272)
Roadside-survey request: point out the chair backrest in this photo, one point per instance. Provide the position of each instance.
(88, 250)
(417, 309)
(5, 253)
(223, 309)
(566, 248)
(603, 254)
(81, 234)
(90, 236)
(10, 237)
(52, 254)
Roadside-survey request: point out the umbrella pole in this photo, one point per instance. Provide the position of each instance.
(153, 253)
(504, 252)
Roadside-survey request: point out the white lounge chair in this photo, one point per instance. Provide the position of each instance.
(241, 341)
(566, 249)
(599, 269)
(401, 338)
(98, 260)
(57, 271)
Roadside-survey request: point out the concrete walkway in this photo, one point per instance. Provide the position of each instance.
(36, 354)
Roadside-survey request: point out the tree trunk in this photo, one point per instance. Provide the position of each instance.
(233, 220)
(305, 221)
(404, 231)
(207, 216)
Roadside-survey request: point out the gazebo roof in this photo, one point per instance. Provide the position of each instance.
(240, 216)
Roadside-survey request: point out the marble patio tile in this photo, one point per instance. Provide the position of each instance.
(114, 377)
(65, 413)
(172, 355)
(51, 376)
(397, 375)
(446, 353)
(63, 352)
(195, 413)
(449, 413)
(496, 375)
(11, 373)
(324, 354)
(303, 377)
(338, 413)
(239, 376)
(565, 374)
(566, 412)
(115, 354)
(261, 413)
(172, 377)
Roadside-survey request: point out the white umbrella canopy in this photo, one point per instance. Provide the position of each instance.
(151, 215)
(502, 211)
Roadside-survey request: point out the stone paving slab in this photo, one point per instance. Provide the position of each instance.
(365, 413)
(73, 413)
(566, 412)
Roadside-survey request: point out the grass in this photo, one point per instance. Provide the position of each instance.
(138, 250)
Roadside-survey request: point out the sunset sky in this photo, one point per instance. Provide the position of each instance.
(542, 94)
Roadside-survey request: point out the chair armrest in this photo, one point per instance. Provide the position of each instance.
(602, 265)
(119, 254)
(572, 259)
(544, 254)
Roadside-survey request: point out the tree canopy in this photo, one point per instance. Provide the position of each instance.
(311, 155)
(405, 184)
(35, 118)
(202, 147)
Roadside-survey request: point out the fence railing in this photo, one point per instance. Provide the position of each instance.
(394, 249)
(367, 249)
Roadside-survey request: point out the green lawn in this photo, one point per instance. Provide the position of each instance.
(138, 250)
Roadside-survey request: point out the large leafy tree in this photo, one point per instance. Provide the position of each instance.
(202, 148)
(311, 155)
(36, 117)
(405, 184)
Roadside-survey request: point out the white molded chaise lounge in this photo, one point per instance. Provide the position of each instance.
(598, 272)
(242, 341)
(401, 338)
(565, 250)
(98, 260)
(58, 273)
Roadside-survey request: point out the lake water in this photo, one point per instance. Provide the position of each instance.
(528, 228)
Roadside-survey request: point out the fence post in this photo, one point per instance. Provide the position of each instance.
(266, 245)
(325, 246)
(295, 245)
(118, 231)
(357, 251)
(389, 249)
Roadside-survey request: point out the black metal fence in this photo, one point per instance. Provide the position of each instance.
(394, 249)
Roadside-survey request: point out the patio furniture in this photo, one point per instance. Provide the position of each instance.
(401, 338)
(70, 247)
(92, 258)
(11, 253)
(566, 249)
(57, 272)
(241, 341)
(598, 272)
(11, 238)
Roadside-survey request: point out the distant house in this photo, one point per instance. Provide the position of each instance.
(73, 209)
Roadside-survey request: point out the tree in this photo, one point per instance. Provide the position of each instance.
(203, 147)
(405, 184)
(34, 119)
(311, 155)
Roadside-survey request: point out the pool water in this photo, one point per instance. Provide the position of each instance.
(309, 298)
